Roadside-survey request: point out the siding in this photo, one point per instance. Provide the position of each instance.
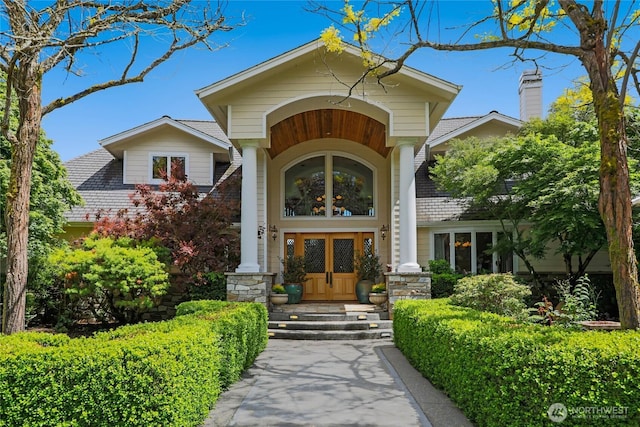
(170, 141)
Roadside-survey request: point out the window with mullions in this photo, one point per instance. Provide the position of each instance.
(471, 252)
(165, 166)
(349, 192)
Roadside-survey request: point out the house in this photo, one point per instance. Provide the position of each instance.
(326, 174)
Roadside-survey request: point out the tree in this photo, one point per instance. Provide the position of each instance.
(38, 37)
(542, 185)
(196, 229)
(51, 196)
(600, 35)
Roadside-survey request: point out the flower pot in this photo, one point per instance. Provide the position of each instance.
(294, 291)
(278, 299)
(378, 298)
(363, 287)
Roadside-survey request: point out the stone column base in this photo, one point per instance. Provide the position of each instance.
(249, 287)
(407, 285)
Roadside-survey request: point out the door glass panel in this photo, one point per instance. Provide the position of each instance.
(352, 188)
(484, 256)
(314, 250)
(343, 255)
(367, 246)
(305, 188)
(290, 247)
(463, 252)
(441, 246)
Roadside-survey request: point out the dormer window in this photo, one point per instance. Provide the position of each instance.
(165, 166)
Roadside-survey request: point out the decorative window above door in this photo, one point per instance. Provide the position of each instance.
(349, 193)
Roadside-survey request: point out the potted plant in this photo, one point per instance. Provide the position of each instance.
(294, 274)
(378, 294)
(368, 268)
(278, 294)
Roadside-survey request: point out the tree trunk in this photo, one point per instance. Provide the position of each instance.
(615, 194)
(614, 203)
(27, 85)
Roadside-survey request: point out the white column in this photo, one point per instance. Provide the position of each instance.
(249, 211)
(408, 224)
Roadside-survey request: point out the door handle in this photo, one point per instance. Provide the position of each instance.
(326, 277)
(331, 279)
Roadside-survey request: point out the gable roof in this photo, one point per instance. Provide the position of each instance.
(206, 131)
(448, 129)
(224, 89)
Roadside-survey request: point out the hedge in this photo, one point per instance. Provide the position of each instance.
(501, 373)
(166, 373)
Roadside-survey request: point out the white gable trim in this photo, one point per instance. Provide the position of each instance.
(163, 121)
(474, 124)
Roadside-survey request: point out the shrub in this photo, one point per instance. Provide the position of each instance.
(496, 293)
(209, 286)
(166, 373)
(576, 305)
(503, 373)
(110, 279)
(443, 278)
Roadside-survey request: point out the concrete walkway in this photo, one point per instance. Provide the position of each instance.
(334, 383)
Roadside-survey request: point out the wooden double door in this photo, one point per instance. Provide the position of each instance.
(329, 259)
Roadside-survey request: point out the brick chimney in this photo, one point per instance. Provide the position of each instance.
(530, 91)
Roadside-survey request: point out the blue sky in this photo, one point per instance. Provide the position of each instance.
(489, 80)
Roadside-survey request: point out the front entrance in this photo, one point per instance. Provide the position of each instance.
(330, 262)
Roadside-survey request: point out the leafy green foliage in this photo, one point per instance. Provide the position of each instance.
(111, 279)
(51, 196)
(367, 266)
(294, 269)
(443, 278)
(209, 286)
(496, 293)
(503, 373)
(166, 374)
(577, 303)
(548, 176)
(196, 229)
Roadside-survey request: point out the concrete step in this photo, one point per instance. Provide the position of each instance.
(333, 325)
(330, 335)
(323, 317)
(329, 326)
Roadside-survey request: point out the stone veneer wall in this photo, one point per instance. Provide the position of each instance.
(249, 287)
(407, 286)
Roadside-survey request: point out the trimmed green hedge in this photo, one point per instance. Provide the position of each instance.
(166, 374)
(501, 373)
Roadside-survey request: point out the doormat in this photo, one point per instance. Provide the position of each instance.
(358, 307)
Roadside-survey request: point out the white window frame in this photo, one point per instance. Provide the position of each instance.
(474, 258)
(168, 155)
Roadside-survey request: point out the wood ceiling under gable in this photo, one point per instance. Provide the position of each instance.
(328, 123)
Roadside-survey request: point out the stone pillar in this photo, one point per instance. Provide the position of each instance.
(249, 211)
(407, 286)
(408, 223)
(249, 287)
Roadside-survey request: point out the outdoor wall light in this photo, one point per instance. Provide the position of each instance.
(274, 232)
(383, 231)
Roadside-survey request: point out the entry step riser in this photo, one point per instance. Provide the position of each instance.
(330, 335)
(330, 326)
(304, 317)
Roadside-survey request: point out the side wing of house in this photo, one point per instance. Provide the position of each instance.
(147, 154)
(447, 230)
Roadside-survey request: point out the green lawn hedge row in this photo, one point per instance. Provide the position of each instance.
(154, 374)
(501, 373)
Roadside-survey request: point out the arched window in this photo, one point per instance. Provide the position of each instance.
(350, 192)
